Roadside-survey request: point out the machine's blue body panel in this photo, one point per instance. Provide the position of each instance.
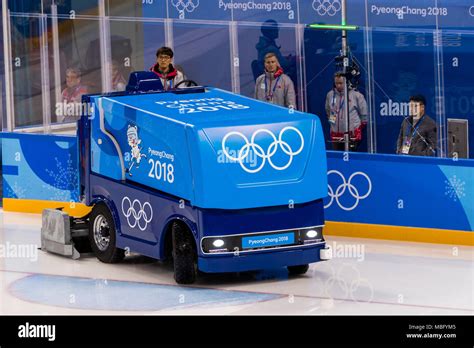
(216, 222)
(146, 234)
(262, 260)
(227, 166)
(214, 149)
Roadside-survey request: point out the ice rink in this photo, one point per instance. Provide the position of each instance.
(364, 277)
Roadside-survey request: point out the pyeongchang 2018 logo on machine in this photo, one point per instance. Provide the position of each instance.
(327, 7)
(262, 147)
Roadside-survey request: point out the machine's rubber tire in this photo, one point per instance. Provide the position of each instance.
(298, 270)
(106, 253)
(184, 254)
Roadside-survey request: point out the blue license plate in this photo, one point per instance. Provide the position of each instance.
(259, 241)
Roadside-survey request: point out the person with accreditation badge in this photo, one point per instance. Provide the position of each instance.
(417, 135)
(358, 112)
(274, 86)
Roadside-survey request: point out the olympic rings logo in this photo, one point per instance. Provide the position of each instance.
(258, 150)
(353, 191)
(136, 213)
(185, 5)
(329, 7)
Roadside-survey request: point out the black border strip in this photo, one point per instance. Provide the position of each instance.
(86, 331)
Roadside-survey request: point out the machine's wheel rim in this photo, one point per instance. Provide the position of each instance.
(101, 231)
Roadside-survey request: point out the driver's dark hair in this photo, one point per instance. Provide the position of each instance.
(418, 99)
(166, 51)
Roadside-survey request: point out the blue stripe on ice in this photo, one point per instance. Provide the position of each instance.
(94, 294)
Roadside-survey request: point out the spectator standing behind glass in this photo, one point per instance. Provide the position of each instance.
(335, 112)
(165, 70)
(74, 90)
(274, 86)
(72, 94)
(418, 131)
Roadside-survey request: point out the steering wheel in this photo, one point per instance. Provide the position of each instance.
(189, 83)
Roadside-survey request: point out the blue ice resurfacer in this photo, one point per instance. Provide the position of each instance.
(215, 181)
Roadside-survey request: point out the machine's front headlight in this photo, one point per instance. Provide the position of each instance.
(218, 243)
(311, 235)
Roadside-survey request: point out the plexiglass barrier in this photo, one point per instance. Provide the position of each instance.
(58, 50)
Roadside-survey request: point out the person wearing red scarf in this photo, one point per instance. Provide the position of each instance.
(74, 89)
(274, 86)
(165, 70)
(358, 114)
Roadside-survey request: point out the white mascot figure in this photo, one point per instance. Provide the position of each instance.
(134, 142)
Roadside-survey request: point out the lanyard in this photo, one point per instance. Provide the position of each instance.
(166, 84)
(165, 79)
(269, 97)
(415, 129)
(341, 103)
(338, 111)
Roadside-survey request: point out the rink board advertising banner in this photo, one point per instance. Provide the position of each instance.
(400, 191)
(40, 167)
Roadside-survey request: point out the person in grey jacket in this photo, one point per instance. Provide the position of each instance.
(274, 86)
(335, 112)
(417, 135)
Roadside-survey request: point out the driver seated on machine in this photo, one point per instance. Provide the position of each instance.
(165, 70)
